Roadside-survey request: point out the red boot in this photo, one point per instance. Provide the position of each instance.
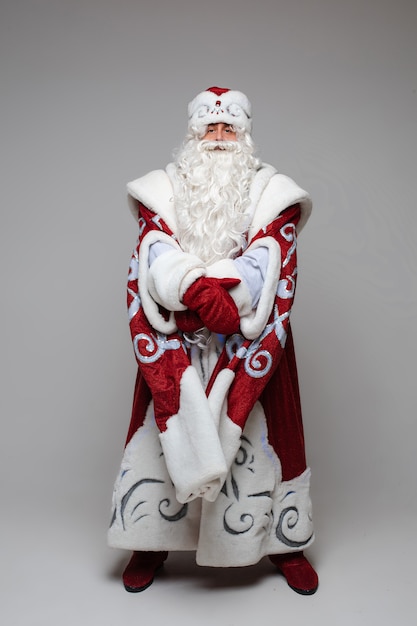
(298, 572)
(140, 571)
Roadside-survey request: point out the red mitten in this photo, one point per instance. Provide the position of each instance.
(188, 321)
(210, 299)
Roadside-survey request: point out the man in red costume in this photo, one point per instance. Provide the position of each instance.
(214, 459)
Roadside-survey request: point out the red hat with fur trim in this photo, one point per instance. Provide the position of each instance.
(218, 105)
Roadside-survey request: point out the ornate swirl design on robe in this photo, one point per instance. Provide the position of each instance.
(243, 513)
(290, 234)
(287, 523)
(136, 507)
(135, 304)
(150, 348)
(257, 360)
(238, 520)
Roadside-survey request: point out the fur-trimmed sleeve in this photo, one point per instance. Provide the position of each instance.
(273, 237)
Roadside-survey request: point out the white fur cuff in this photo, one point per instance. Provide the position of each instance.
(253, 324)
(170, 275)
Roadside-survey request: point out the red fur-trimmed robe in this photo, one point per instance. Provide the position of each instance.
(214, 458)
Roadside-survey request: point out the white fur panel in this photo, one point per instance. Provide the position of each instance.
(218, 394)
(191, 444)
(270, 194)
(171, 274)
(259, 183)
(279, 194)
(154, 190)
(142, 485)
(292, 506)
(255, 526)
(229, 432)
(255, 514)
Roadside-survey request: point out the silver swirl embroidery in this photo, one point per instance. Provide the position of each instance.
(278, 325)
(134, 305)
(133, 275)
(155, 346)
(142, 226)
(254, 366)
(286, 286)
(253, 357)
(290, 234)
(134, 267)
(157, 221)
(258, 361)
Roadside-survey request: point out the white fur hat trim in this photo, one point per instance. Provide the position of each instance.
(217, 105)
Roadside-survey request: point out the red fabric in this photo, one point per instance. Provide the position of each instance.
(281, 403)
(141, 399)
(188, 321)
(210, 299)
(298, 572)
(277, 389)
(247, 387)
(141, 569)
(164, 382)
(218, 90)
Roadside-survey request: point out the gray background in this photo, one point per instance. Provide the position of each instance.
(93, 94)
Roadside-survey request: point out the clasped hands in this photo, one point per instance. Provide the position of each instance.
(211, 305)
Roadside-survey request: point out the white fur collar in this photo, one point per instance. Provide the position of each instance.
(155, 191)
(270, 194)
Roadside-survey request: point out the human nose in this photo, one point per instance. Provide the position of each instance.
(219, 134)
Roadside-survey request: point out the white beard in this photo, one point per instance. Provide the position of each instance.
(213, 197)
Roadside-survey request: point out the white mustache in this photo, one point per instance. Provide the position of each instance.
(229, 146)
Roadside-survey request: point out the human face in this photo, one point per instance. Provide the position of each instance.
(220, 132)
